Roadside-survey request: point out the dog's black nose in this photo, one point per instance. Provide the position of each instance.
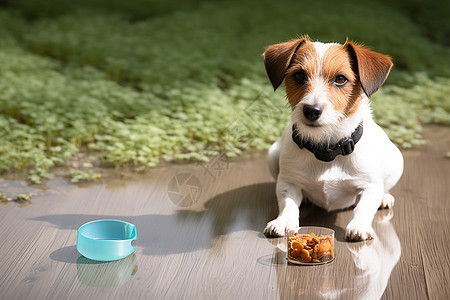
(312, 112)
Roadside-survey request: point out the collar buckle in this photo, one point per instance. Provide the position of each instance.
(347, 147)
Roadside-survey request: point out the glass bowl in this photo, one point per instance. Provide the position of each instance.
(310, 245)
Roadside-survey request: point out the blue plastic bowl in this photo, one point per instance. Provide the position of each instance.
(106, 240)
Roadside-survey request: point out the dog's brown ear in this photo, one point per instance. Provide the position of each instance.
(372, 67)
(278, 57)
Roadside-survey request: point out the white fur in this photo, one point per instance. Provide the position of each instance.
(364, 177)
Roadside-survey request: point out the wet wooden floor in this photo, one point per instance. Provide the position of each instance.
(203, 239)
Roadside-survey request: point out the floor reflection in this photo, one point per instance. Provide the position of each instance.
(106, 274)
(375, 259)
(361, 270)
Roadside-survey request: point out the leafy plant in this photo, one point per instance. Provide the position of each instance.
(137, 86)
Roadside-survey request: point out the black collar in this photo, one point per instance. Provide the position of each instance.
(328, 153)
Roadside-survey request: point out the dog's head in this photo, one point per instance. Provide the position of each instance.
(325, 83)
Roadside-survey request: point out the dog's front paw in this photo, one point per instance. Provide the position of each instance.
(359, 231)
(279, 226)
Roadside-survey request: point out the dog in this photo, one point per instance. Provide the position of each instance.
(332, 152)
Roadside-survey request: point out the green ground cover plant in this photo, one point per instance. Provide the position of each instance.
(138, 82)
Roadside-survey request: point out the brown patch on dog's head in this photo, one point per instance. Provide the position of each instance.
(337, 62)
(304, 63)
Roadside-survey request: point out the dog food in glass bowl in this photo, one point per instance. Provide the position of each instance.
(310, 245)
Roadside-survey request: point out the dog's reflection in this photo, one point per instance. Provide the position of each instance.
(361, 270)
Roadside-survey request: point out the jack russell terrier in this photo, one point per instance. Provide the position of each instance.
(332, 152)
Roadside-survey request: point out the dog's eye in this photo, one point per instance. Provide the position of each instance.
(340, 80)
(300, 77)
